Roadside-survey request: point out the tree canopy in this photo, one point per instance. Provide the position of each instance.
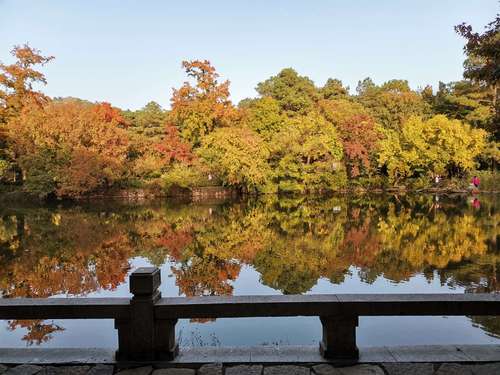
(69, 149)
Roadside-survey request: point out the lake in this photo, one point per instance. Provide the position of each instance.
(270, 245)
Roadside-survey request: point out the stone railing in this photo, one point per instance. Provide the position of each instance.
(146, 322)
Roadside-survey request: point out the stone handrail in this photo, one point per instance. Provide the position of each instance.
(146, 322)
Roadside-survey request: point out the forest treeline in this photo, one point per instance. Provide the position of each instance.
(293, 137)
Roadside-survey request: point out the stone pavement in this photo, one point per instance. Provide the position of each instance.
(256, 369)
(287, 360)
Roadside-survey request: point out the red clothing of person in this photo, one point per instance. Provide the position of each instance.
(475, 181)
(476, 203)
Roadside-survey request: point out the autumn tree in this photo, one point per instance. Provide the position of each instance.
(199, 109)
(16, 87)
(357, 131)
(429, 147)
(174, 149)
(181, 167)
(359, 139)
(238, 156)
(305, 156)
(69, 149)
(17, 80)
(471, 102)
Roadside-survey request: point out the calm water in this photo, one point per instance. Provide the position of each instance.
(365, 244)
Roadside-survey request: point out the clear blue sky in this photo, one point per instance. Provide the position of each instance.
(129, 52)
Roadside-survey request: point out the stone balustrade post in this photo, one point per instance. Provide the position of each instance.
(339, 337)
(143, 337)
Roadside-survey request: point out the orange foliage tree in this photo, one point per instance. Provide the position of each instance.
(16, 81)
(69, 148)
(16, 87)
(197, 110)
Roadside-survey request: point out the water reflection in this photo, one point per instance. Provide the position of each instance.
(291, 242)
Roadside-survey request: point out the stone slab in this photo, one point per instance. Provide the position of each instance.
(380, 354)
(481, 353)
(101, 369)
(453, 369)
(244, 370)
(485, 369)
(144, 370)
(324, 369)
(64, 370)
(213, 355)
(56, 356)
(174, 371)
(409, 368)
(194, 357)
(210, 369)
(349, 370)
(428, 353)
(287, 370)
(25, 369)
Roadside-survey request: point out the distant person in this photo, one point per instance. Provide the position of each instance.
(437, 179)
(475, 181)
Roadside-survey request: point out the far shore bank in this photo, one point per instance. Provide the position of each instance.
(200, 194)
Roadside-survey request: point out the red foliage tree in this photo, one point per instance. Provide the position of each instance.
(173, 148)
(359, 138)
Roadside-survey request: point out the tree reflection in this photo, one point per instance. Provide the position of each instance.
(292, 242)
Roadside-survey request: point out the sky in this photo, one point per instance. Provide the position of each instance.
(130, 52)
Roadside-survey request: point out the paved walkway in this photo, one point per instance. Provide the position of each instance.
(288, 360)
(219, 369)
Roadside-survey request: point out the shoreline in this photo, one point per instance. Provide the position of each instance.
(200, 194)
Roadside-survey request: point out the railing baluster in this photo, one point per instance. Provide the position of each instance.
(166, 347)
(143, 337)
(339, 337)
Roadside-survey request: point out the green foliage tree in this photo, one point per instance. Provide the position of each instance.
(467, 101)
(264, 116)
(333, 89)
(295, 94)
(483, 59)
(146, 130)
(148, 121)
(392, 103)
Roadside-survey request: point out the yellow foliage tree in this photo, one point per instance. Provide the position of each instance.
(427, 147)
